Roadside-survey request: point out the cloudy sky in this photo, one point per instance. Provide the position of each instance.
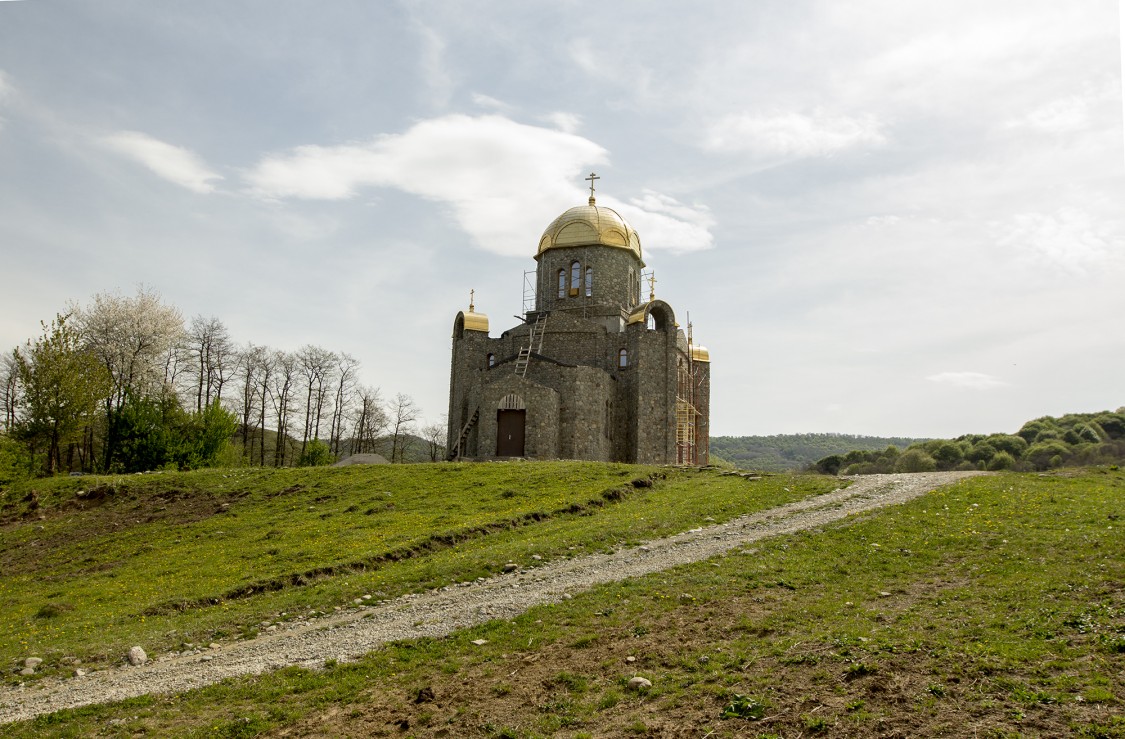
(884, 217)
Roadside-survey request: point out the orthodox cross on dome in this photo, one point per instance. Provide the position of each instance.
(652, 287)
(472, 295)
(591, 179)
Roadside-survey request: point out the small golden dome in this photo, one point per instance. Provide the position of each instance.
(476, 322)
(700, 354)
(639, 314)
(590, 225)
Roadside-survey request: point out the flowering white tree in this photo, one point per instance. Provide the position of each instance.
(132, 337)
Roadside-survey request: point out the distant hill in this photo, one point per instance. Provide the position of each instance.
(795, 451)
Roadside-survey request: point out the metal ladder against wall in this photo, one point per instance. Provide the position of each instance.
(537, 329)
(457, 451)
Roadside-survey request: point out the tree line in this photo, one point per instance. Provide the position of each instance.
(125, 384)
(781, 452)
(1073, 440)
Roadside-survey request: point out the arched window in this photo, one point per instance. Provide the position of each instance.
(589, 281)
(562, 283)
(575, 278)
(491, 361)
(623, 358)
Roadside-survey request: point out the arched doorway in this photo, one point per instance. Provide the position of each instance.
(511, 421)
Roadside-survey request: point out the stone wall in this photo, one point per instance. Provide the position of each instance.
(542, 430)
(616, 283)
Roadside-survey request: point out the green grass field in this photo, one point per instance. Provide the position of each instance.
(992, 608)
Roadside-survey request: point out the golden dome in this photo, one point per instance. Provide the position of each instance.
(476, 322)
(700, 354)
(590, 225)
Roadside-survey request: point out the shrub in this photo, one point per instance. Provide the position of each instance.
(317, 454)
(1091, 432)
(1013, 445)
(982, 452)
(1113, 424)
(1030, 431)
(1002, 461)
(15, 463)
(947, 455)
(830, 465)
(915, 460)
(1041, 454)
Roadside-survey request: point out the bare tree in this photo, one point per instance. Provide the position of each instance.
(251, 363)
(435, 436)
(346, 368)
(316, 367)
(402, 414)
(370, 420)
(212, 357)
(9, 390)
(265, 378)
(281, 388)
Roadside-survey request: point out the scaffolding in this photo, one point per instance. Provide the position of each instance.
(529, 291)
(686, 412)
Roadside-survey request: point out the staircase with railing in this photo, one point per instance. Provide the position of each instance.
(458, 449)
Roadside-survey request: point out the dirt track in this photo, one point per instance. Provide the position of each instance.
(440, 612)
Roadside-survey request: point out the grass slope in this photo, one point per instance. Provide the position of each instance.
(995, 607)
(91, 566)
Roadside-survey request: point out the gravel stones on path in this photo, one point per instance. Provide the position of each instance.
(351, 634)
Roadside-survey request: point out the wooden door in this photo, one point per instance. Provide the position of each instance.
(509, 433)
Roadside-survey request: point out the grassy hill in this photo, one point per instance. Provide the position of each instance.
(782, 452)
(994, 608)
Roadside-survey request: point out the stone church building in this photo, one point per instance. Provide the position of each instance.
(594, 372)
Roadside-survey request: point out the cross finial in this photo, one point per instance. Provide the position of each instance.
(472, 295)
(591, 179)
(652, 287)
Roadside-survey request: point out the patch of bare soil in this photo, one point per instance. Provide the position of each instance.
(808, 690)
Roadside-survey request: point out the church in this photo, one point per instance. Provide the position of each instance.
(595, 371)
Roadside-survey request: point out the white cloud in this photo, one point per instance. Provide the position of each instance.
(792, 135)
(565, 122)
(175, 164)
(487, 101)
(504, 181)
(967, 380)
(432, 66)
(1069, 238)
(881, 221)
(664, 223)
(1067, 115)
(5, 91)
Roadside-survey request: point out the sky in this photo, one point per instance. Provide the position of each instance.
(882, 218)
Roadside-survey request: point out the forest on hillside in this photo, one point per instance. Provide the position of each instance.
(1072, 440)
(782, 452)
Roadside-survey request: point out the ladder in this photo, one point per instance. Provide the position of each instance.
(457, 449)
(524, 359)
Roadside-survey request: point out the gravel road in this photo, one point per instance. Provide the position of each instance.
(437, 613)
